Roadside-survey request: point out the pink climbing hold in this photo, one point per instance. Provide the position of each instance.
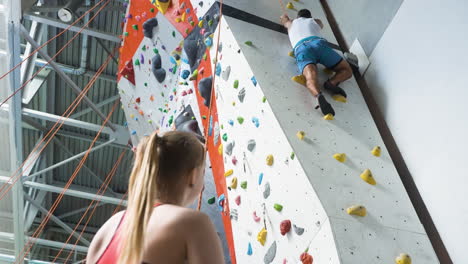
(285, 261)
(255, 217)
(234, 160)
(144, 15)
(184, 93)
(190, 91)
(238, 200)
(285, 227)
(138, 18)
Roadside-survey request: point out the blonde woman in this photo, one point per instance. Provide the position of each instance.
(156, 228)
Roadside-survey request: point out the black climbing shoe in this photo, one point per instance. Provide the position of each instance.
(325, 106)
(335, 90)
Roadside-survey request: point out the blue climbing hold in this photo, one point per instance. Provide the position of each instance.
(172, 59)
(210, 128)
(125, 124)
(185, 74)
(249, 250)
(209, 42)
(256, 121)
(218, 69)
(220, 203)
(185, 60)
(254, 81)
(187, 10)
(260, 178)
(231, 122)
(133, 132)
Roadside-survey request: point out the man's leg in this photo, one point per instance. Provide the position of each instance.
(343, 73)
(310, 73)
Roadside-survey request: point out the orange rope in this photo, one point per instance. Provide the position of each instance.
(47, 42)
(120, 203)
(212, 93)
(51, 132)
(60, 51)
(96, 200)
(67, 186)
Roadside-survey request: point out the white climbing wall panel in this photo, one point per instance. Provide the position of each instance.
(312, 187)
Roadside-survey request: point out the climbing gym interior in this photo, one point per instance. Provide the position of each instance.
(383, 180)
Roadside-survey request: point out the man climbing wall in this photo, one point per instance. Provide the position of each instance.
(309, 49)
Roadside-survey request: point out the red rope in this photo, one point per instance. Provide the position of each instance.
(54, 206)
(47, 42)
(51, 132)
(60, 51)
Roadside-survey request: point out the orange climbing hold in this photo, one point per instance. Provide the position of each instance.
(306, 258)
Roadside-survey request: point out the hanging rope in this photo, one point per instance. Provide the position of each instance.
(54, 206)
(34, 153)
(206, 129)
(96, 200)
(47, 63)
(58, 35)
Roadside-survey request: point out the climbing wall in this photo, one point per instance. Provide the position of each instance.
(290, 186)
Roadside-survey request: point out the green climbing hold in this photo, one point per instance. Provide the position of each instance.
(212, 200)
(204, 116)
(240, 120)
(278, 207)
(137, 62)
(192, 23)
(236, 84)
(165, 111)
(146, 84)
(135, 27)
(193, 118)
(152, 10)
(210, 23)
(292, 155)
(156, 51)
(222, 126)
(248, 43)
(173, 34)
(162, 94)
(264, 99)
(187, 31)
(225, 138)
(204, 56)
(244, 185)
(143, 48)
(126, 34)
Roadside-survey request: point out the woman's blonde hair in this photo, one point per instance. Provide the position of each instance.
(161, 167)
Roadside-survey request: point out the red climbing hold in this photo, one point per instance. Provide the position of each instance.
(184, 93)
(238, 200)
(128, 72)
(306, 258)
(285, 227)
(190, 91)
(138, 100)
(234, 161)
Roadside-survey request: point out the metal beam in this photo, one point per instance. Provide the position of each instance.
(27, 68)
(65, 77)
(57, 221)
(80, 210)
(53, 9)
(58, 23)
(15, 127)
(63, 162)
(8, 237)
(101, 104)
(74, 191)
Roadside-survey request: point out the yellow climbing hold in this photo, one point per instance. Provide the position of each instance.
(376, 151)
(339, 98)
(183, 17)
(269, 160)
(162, 5)
(289, 5)
(367, 177)
(403, 259)
(228, 173)
(300, 79)
(178, 20)
(261, 237)
(300, 135)
(341, 157)
(291, 53)
(234, 183)
(328, 117)
(358, 210)
(200, 24)
(220, 149)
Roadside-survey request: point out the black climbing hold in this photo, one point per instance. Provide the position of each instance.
(148, 27)
(200, 3)
(176, 57)
(156, 62)
(205, 89)
(160, 74)
(185, 122)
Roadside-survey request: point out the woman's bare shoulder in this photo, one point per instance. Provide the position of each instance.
(103, 237)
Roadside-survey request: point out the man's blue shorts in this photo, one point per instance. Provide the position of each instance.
(315, 50)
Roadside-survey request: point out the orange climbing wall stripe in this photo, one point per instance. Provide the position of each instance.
(132, 42)
(172, 15)
(217, 162)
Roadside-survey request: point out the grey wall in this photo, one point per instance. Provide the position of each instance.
(366, 20)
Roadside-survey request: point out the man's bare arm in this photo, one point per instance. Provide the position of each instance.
(319, 22)
(286, 21)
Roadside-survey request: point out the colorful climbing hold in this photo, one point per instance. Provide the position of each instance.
(261, 237)
(264, 99)
(200, 24)
(300, 135)
(248, 43)
(134, 132)
(306, 258)
(135, 27)
(285, 227)
(236, 84)
(237, 200)
(368, 177)
(254, 80)
(225, 137)
(376, 151)
(234, 183)
(220, 149)
(231, 122)
(211, 200)
(228, 173)
(278, 207)
(249, 249)
(289, 5)
(255, 217)
(244, 185)
(300, 79)
(240, 120)
(339, 98)
(269, 160)
(403, 259)
(256, 121)
(209, 42)
(328, 117)
(221, 200)
(341, 157)
(234, 161)
(298, 230)
(358, 210)
(260, 178)
(291, 53)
